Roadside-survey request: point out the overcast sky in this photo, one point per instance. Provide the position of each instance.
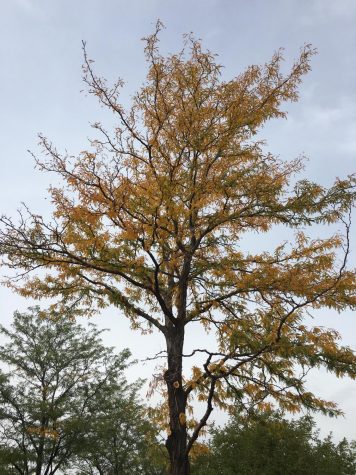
(40, 84)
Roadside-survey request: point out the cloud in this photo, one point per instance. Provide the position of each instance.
(326, 11)
(30, 7)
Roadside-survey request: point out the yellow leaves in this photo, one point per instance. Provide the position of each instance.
(129, 234)
(151, 220)
(251, 389)
(198, 450)
(265, 406)
(290, 406)
(46, 432)
(159, 416)
(197, 372)
(196, 375)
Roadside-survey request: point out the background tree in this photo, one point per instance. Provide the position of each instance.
(58, 375)
(119, 438)
(150, 219)
(268, 444)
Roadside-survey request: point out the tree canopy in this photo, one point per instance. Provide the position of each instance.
(150, 219)
(268, 444)
(59, 387)
(119, 438)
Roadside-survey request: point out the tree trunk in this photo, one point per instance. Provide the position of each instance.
(176, 442)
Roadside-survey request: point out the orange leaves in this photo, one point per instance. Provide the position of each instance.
(196, 375)
(151, 217)
(44, 432)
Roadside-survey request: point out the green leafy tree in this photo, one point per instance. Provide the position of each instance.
(268, 444)
(55, 375)
(119, 439)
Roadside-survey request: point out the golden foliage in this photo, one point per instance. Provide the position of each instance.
(151, 218)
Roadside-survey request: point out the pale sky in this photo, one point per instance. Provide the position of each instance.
(40, 84)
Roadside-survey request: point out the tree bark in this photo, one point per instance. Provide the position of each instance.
(176, 442)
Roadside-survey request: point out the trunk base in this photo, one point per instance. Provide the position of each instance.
(179, 463)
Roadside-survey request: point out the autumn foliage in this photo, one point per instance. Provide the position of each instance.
(150, 219)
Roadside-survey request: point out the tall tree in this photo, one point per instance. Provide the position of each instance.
(150, 220)
(57, 374)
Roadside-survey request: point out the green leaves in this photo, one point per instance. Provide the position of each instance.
(268, 444)
(59, 377)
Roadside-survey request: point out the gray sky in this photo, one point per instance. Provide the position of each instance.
(40, 83)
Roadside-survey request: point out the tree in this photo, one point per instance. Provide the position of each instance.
(58, 376)
(150, 219)
(268, 444)
(119, 438)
